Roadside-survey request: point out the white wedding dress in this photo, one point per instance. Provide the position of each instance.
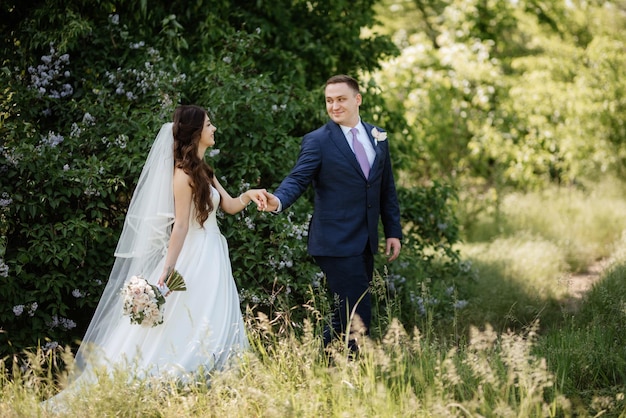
(202, 327)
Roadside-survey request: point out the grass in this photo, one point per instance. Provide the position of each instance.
(588, 353)
(521, 354)
(284, 376)
(584, 224)
(519, 279)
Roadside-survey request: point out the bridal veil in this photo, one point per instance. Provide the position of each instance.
(142, 244)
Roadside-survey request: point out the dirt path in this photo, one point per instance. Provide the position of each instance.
(580, 283)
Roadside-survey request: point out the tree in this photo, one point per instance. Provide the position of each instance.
(509, 94)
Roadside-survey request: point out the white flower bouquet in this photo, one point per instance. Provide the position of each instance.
(143, 302)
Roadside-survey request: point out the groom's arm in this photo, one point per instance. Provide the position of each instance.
(389, 205)
(300, 176)
(390, 212)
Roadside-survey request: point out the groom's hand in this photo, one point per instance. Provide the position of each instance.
(272, 202)
(393, 248)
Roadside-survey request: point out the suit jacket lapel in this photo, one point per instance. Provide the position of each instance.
(377, 149)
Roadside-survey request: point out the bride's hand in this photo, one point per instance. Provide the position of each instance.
(161, 281)
(258, 196)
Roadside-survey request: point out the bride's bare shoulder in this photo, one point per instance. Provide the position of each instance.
(181, 178)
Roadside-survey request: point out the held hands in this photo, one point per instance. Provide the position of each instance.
(272, 202)
(257, 196)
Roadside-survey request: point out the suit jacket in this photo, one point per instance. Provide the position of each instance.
(347, 205)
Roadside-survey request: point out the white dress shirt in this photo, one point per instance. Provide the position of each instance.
(363, 139)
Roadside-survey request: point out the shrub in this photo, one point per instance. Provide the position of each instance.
(72, 150)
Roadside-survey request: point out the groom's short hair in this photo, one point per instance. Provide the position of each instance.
(342, 78)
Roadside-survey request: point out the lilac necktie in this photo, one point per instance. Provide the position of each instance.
(359, 151)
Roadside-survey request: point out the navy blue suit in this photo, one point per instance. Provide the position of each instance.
(343, 232)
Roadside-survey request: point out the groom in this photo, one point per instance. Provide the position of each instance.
(354, 188)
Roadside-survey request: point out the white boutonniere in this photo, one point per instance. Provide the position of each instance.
(378, 135)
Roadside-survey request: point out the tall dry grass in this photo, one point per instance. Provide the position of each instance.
(511, 363)
(284, 376)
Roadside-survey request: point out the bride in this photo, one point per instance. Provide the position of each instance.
(171, 224)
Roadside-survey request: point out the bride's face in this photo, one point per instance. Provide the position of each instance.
(207, 137)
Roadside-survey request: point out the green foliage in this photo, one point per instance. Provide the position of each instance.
(423, 287)
(523, 259)
(501, 95)
(518, 279)
(73, 146)
(523, 255)
(579, 221)
(431, 225)
(311, 38)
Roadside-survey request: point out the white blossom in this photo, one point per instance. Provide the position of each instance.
(52, 139)
(50, 345)
(32, 308)
(460, 304)
(137, 45)
(121, 141)
(47, 78)
(91, 191)
(4, 269)
(75, 130)
(88, 119)
(62, 322)
(5, 200)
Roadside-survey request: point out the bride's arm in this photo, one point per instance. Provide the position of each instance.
(234, 205)
(182, 209)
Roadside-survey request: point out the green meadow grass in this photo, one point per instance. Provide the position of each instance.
(518, 279)
(520, 354)
(584, 223)
(588, 352)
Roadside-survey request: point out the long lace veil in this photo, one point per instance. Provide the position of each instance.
(142, 244)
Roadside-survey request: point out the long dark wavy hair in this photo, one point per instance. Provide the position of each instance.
(188, 125)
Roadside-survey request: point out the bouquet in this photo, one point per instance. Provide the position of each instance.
(143, 302)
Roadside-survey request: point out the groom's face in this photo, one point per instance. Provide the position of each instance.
(342, 104)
